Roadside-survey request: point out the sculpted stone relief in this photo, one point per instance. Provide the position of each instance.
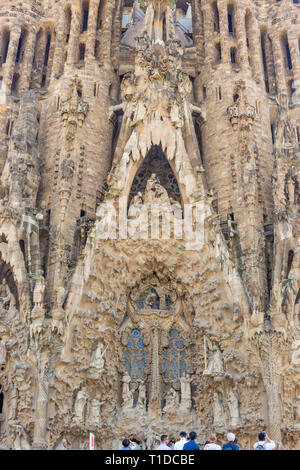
(140, 337)
(156, 92)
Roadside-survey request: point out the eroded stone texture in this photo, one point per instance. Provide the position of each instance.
(193, 105)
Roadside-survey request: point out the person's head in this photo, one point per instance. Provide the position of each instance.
(230, 437)
(212, 438)
(182, 435)
(192, 435)
(126, 442)
(262, 436)
(164, 439)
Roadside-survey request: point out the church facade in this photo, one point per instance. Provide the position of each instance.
(149, 221)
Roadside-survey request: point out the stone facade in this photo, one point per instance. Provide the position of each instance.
(190, 104)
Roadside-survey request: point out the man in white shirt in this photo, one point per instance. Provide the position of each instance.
(163, 443)
(264, 442)
(211, 445)
(179, 444)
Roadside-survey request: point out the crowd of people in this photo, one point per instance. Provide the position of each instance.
(184, 443)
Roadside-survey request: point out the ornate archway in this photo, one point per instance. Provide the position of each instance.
(155, 163)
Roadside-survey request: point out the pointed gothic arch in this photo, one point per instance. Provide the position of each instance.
(156, 163)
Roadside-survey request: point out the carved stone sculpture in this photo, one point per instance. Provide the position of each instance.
(186, 397)
(218, 411)
(233, 406)
(79, 407)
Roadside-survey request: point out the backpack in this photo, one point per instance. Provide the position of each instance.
(230, 446)
(260, 447)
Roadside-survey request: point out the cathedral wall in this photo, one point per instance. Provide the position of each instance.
(71, 304)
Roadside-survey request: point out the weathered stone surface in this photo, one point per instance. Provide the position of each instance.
(192, 105)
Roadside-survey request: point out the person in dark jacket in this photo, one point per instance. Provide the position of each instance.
(230, 445)
(191, 444)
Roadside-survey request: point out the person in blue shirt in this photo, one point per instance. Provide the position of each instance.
(231, 444)
(191, 444)
(127, 445)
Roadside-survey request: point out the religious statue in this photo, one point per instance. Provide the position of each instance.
(12, 403)
(285, 137)
(142, 396)
(127, 393)
(63, 445)
(150, 300)
(79, 408)
(97, 363)
(249, 172)
(67, 169)
(94, 412)
(186, 397)
(137, 200)
(155, 193)
(215, 366)
(290, 189)
(218, 411)
(172, 401)
(8, 301)
(2, 353)
(21, 440)
(233, 406)
(58, 313)
(38, 292)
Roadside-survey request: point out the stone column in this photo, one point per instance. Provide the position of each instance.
(11, 57)
(240, 29)
(73, 49)
(295, 55)
(117, 21)
(155, 393)
(268, 344)
(224, 35)
(106, 36)
(270, 65)
(40, 426)
(255, 50)
(208, 23)
(58, 57)
(39, 60)
(92, 29)
(28, 61)
(198, 28)
(279, 65)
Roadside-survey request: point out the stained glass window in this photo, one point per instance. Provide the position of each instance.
(135, 355)
(174, 357)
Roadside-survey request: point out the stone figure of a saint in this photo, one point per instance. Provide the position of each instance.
(94, 412)
(233, 406)
(67, 169)
(142, 396)
(218, 411)
(186, 397)
(98, 361)
(172, 401)
(79, 407)
(216, 366)
(2, 353)
(12, 403)
(127, 394)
